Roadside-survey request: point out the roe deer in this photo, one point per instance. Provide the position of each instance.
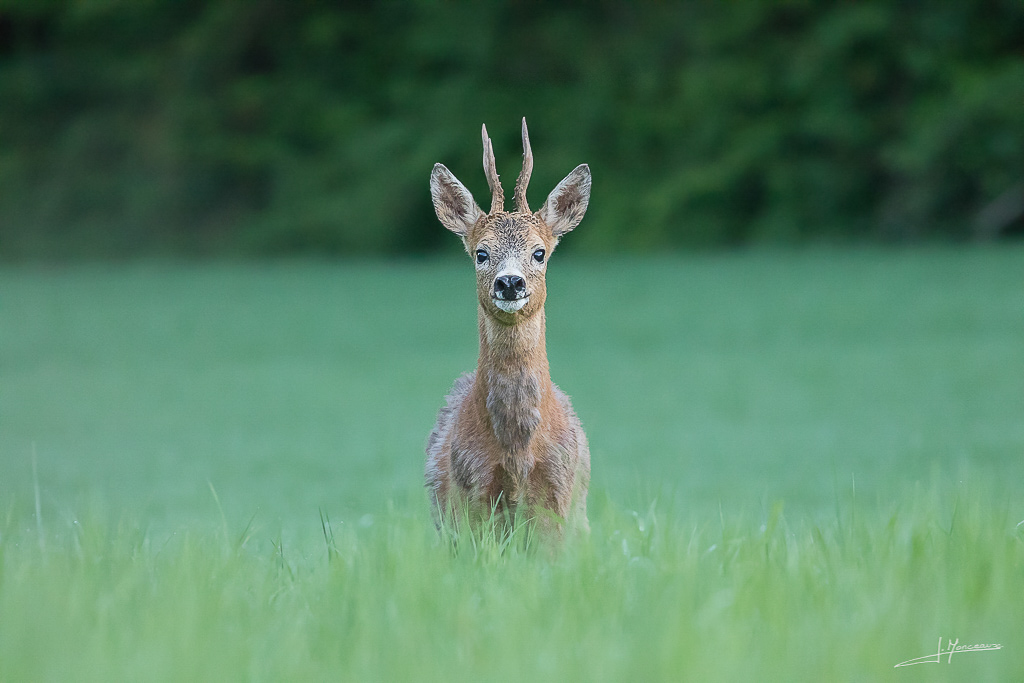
(508, 437)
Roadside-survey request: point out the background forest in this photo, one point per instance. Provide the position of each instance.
(134, 127)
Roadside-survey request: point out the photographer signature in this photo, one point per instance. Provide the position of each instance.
(953, 647)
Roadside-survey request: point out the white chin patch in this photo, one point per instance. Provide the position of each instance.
(510, 306)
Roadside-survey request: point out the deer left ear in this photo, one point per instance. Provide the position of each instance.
(564, 208)
(453, 203)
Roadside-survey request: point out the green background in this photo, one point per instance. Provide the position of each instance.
(806, 466)
(232, 127)
(806, 461)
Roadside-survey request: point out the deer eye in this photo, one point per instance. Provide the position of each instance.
(481, 255)
(538, 256)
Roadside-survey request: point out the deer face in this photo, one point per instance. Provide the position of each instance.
(510, 249)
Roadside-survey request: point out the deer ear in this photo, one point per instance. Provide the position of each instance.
(453, 203)
(567, 203)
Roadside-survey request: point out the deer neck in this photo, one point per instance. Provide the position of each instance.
(513, 376)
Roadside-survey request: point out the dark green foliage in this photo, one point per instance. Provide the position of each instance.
(131, 126)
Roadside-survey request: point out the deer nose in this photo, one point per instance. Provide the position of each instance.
(509, 287)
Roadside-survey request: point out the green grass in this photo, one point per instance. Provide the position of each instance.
(806, 466)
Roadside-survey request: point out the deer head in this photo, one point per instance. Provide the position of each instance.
(510, 248)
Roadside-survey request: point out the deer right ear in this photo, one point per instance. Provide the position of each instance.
(453, 203)
(567, 203)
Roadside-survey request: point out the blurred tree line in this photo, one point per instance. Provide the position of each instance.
(267, 126)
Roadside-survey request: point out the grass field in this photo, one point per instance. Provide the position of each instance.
(806, 466)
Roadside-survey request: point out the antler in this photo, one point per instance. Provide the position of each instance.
(524, 176)
(497, 194)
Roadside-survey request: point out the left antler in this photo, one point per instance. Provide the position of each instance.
(497, 194)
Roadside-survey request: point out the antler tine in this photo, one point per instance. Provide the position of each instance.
(491, 171)
(524, 176)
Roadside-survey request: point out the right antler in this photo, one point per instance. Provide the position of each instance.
(524, 175)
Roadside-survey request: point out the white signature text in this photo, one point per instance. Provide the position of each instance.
(952, 647)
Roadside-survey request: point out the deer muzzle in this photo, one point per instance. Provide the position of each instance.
(509, 292)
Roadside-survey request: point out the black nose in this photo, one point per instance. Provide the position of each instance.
(509, 287)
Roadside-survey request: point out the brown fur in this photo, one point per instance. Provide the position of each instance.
(507, 435)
